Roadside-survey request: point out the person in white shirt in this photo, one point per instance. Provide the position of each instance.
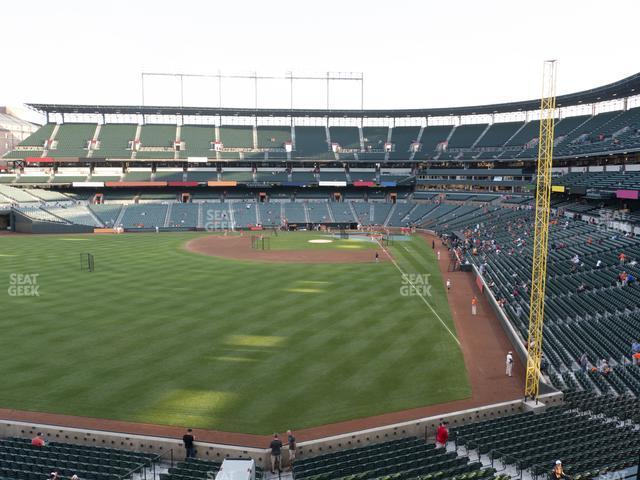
(510, 364)
(448, 284)
(598, 263)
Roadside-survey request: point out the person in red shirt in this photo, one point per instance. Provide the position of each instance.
(38, 441)
(442, 435)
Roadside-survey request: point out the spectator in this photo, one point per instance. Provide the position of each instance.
(188, 440)
(623, 278)
(635, 352)
(519, 310)
(509, 363)
(276, 451)
(38, 440)
(54, 475)
(291, 440)
(442, 435)
(558, 472)
(621, 257)
(544, 365)
(604, 367)
(584, 362)
(576, 260)
(598, 263)
(74, 477)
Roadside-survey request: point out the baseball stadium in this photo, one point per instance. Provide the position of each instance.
(446, 293)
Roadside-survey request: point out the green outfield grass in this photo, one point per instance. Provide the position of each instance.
(161, 335)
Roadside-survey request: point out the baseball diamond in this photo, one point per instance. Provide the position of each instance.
(209, 274)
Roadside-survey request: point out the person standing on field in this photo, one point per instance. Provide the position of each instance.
(448, 284)
(438, 253)
(474, 305)
(510, 364)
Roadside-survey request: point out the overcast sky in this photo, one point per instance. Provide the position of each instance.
(413, 53)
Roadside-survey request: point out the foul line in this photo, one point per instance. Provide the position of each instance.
(406, 277)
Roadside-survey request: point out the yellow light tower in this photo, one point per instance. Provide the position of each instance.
(541, 236)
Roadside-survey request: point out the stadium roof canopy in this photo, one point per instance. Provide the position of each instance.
(623, 88)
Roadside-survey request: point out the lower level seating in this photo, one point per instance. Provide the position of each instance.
(407, 458)
(149, 215)
(623, 407)
(20, 460)
(183, 215)
(380, 212)
(318, 212)
(40, 215)
(270, 214)
(78, 214)
(341, 212)
(107, 214)
(294, 213)
(363, 212)
(244, 214)
(586, 445)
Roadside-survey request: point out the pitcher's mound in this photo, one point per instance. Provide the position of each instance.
(239, 248)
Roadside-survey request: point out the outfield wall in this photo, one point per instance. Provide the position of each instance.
(167, 447)
(172, 447)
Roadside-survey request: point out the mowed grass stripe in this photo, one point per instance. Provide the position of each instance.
(161, 335)
(423, 278)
